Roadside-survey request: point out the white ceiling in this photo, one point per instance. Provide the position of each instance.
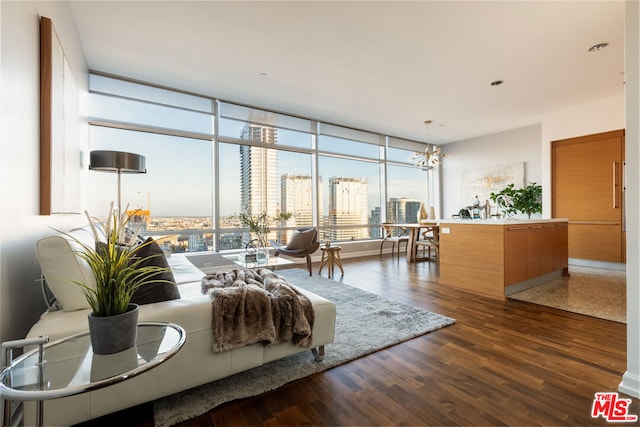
(385, 66)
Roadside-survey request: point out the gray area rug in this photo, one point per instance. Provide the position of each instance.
(365, 323)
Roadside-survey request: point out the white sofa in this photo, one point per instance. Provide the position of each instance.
(193, 365)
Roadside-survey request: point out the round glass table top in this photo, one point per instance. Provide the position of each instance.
(69, 366)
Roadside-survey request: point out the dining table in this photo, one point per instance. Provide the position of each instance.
(414, 234)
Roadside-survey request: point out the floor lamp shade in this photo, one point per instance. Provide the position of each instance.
(117, 162)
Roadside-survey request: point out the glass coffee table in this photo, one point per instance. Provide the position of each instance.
(68, 366)
(271, 263)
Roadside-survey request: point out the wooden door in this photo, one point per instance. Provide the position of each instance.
(587, 189)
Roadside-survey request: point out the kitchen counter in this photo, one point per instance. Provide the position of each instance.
(498, 257)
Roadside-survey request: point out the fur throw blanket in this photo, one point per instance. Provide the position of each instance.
(257, 306)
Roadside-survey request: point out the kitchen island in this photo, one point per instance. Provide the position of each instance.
(499, 257)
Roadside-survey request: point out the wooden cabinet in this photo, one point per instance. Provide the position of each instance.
(534, 250)
(587, 188)
(486, 257)
(516, 262)
(560, 247)
(547, 243)
(473, 256)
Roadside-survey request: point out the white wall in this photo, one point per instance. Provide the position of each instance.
(20, 224)
(512, 146)
(631, 379)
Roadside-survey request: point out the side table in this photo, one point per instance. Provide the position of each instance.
(68, 366)
(330, 258)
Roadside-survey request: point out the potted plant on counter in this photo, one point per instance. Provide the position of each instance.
(119, 270)
(527, 200)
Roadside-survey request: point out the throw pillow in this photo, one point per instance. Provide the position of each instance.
(61, 267)
(301, 239)
(159, 291)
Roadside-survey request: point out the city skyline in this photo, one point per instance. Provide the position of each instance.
(192, 234)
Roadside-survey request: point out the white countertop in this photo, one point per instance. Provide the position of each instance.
(501, 221)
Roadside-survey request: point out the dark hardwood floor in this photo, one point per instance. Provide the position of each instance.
(501, 363)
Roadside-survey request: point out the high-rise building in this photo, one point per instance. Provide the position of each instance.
(297, 198)
(259, 170)
(259, 173)
(296, 195)
(402, 210)
(376, 218)
(348, 205)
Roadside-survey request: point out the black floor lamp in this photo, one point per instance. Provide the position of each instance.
(118, 162)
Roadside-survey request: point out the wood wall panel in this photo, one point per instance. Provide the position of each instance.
(585, 180)
(46, 59)
(598, 242)
(587, 187)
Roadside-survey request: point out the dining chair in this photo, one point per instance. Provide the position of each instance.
(399, 238)
(430, 240)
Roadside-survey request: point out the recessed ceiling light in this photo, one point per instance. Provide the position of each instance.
(497, 82)
(597, 47)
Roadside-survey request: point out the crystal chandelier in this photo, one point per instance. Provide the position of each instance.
(430, 157)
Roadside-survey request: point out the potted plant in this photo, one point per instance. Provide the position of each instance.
(526, 200)
(118, 272)
(260, 226)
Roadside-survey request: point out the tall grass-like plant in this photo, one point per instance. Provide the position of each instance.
(115, 265)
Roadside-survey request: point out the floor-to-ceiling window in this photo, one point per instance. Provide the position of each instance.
(349, 175)
(208, 159)
(407, 187)
(173, 201)
(265, 165)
